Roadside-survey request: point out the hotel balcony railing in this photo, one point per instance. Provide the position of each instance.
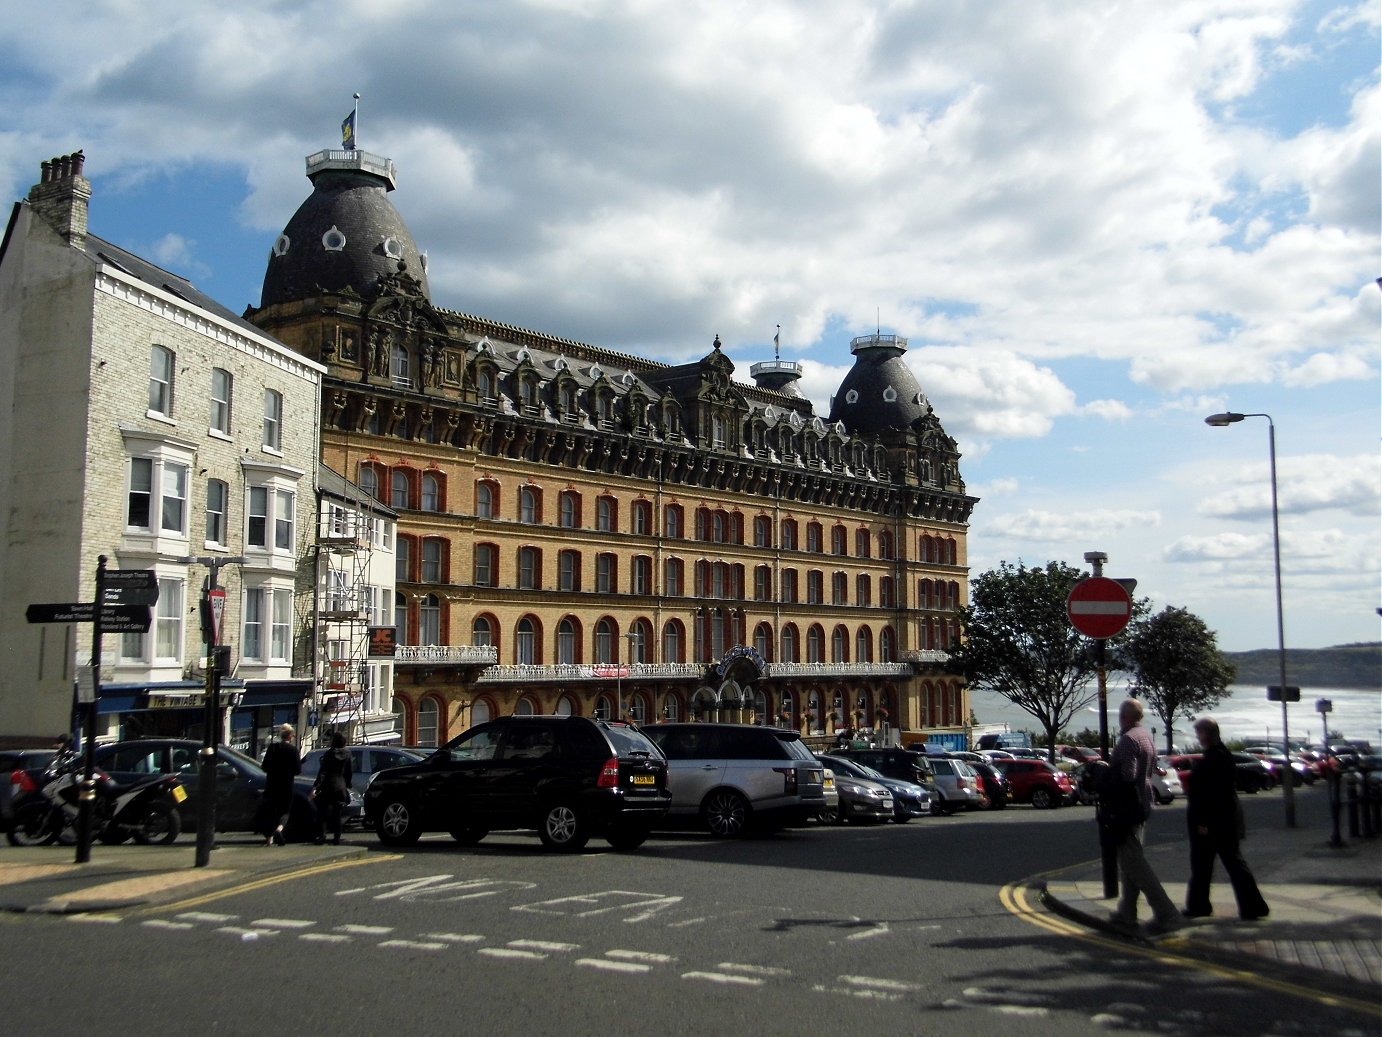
(468, 655)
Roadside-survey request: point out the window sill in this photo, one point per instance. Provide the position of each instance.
(216, 433)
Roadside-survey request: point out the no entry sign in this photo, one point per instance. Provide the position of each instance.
(1099, 607)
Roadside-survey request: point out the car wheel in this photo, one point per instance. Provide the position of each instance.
(397, 824)
(160, 826)
(829, 816)
(726, 814)
(563, 827)
(628, 837)
(1042, 799)
(33, 826)
(469, 835)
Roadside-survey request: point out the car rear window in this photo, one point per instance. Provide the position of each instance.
(629, 741)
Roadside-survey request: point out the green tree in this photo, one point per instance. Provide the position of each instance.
(1176, 665)
(1019, 643)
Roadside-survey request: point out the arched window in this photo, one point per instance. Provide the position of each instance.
(484, 384)
(482, 631)
(431, 492)
(862, 546)
(762, 531)
(433, 560)
(839, 589)
(887, 645)
(400, 367)
(607, 515)
(789, 534)
(814, 538)
(429, 621)
(568, 642)
(762, 583)
(524, 707)
(481, 712)
(642, 516)
(569, 508)
(885, 544)
(863, 590)
(863, 645)
(641, 645)
(885, 592)
(673, 642)
(673, 522)
(763, 641)
(529, 504)
(486, 565)
(484, 501)
(604, 642)
(162, 366)
(815, 644)
(566, 706)
(526, 642)
(428, 721)
(569, 571)
(400, 618)
(839, 541)
(369, 481)
(789, 644)
(924, 594)
(398, 489)
(672, 578)
(529, 568)
(839, 645)
(403, 560)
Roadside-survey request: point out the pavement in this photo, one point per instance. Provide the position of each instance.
(1324, 931)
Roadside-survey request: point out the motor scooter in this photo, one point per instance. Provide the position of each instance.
(46, 806)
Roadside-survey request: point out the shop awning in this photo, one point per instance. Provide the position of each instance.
(274, 693)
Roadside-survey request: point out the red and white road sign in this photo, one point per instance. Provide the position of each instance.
(217, 599)
(1099, 607)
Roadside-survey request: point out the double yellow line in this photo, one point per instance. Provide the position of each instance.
(1015, 897)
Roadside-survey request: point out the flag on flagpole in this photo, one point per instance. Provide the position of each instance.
(348, 132)
(776, 337)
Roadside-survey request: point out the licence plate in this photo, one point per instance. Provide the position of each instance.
(643, 779)
(179, 793)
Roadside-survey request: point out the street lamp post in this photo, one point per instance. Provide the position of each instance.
(1288, 795)
(633, 638)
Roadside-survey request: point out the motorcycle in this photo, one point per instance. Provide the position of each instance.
(46, 806)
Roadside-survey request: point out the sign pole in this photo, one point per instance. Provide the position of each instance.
(213, 605)
(86, 797)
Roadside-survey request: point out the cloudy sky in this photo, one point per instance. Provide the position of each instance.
(1097, 223)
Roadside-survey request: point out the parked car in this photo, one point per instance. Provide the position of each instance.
(862, 800)
(239, 782)
(731, 776)
(1301, 772)
(364, 761)
(1037, 782)
(18, 760)
(1077, 754)
(892, 762)
(993, 785)
(1166, 784)
(831, 811)
(567, 777)
(909, 799)
(955, 786)
(1251, 776)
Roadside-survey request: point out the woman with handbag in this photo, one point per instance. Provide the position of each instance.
(1215, 821)
(332, 789)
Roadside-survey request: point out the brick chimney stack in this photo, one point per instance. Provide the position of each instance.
(63, 196)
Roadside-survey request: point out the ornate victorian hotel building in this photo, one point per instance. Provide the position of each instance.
(584, 531)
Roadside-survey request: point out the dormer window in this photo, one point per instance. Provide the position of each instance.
(852, 396)
(890, 395)
(281, 245)
(333, 240)
(393, 248)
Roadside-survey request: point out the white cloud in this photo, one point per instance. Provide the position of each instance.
(1075, 527)
(1305, 485)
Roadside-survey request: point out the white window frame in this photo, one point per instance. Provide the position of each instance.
(273, 421)
(163, 365)
(221, 405)
(217, 513)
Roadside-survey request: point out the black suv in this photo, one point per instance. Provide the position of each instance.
(568, 777)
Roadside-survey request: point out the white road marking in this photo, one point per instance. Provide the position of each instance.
(881, 929)
(456, 937)
(603, 903)
(235, 930)
(613, 966)
(648, 956)
(365, 930)
(874, 995)
(436, 888)
(163, 923)
(326, 937)
(509, 952)
(414, 945)
(725, 978)
(544, 945)
(207, 916)
(754, 970)
(282, 923)
(876, 983)
(104, 919)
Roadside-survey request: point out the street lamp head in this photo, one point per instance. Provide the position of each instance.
(1227, 418)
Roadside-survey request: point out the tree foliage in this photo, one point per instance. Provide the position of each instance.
(1019, 642)
(1176, 666)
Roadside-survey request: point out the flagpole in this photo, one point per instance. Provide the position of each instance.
(357, 122)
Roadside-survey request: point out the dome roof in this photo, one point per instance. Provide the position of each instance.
(880, 392)
(346, 235)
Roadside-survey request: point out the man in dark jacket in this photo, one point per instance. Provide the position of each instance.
(281, 765)
(332, 789)
(1214, 819)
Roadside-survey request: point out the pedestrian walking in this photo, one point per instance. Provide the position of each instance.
(331, 791)
(1215, 821)
(281, 765)
(1129, 793)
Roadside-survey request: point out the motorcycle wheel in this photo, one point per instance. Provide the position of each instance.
(33, 826)
(160, 825)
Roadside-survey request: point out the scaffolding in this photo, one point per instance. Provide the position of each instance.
(346, 532)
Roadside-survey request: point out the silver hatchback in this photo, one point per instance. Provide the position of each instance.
(733, 775)
(956, 786)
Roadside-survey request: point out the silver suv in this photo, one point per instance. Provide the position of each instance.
(955, 787)
(731, 775)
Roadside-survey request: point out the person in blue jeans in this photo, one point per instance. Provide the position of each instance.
(1215, 821)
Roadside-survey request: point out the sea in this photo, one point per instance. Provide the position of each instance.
(1244, 713)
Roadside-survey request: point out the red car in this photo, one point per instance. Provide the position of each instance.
(1037, 782)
